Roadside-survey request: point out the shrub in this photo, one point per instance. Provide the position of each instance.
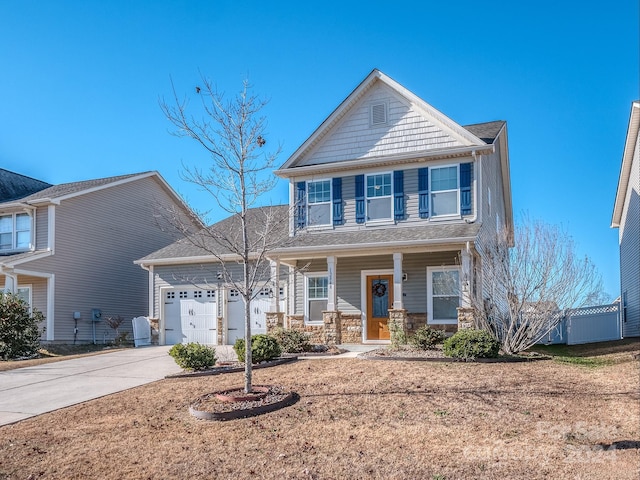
(426, 338)
(470, 343)
(263, 348)
(193, 356)
(291, 341)
(19, 328)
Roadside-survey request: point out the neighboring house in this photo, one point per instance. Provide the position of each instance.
(626, 217)
(68, 249)
(390, 201)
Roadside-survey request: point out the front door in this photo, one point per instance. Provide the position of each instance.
(379, 301)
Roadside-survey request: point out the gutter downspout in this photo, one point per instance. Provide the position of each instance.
(151, 294)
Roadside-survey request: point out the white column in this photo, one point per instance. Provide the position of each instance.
(466, 277)
(275, 281)
(331, 273)
(9, 283)
(397, 281)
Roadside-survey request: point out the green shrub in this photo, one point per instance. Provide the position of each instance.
(19, 328)
(426, 338)
(263, 348)
(470, 343)
(193, 356)
(291, 341)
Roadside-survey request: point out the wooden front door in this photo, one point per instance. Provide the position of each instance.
(379, 301)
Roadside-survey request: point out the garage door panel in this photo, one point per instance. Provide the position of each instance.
(190, 316)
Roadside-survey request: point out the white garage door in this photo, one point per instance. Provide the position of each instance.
(235, 314)
(190, 315)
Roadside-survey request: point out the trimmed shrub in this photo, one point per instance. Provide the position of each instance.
(19, 328)
(291, 341)
(193, 356)
(426, 338)
(470, 343)
(263, 348)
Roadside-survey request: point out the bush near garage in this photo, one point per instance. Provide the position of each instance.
(471, 343)
(193, 356)
(292, 341)
(19, 328)
(263, 348)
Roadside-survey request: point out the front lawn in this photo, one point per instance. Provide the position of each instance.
(356, 418)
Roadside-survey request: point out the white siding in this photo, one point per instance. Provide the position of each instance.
(407, 130)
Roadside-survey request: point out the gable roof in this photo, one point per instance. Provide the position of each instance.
(460, 137)
(627, 159)
(14, 186)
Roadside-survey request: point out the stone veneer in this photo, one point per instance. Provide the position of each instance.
(351, 327)
(155, 330)
(316, 332)
(332, 327)
(465, 318)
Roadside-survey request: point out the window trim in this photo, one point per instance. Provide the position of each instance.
(430, 271)
(447, 216)
(14, 232)
(328, 202)
(28, 287)
(390, 197)
(307, 276)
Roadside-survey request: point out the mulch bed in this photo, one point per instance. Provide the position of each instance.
(436, 355)
(232, 367)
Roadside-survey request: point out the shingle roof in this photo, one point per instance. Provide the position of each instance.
(488, 131)
(14, 186)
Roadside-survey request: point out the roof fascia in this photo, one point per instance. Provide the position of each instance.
(229, 257)
(404, 159)
(627, 160)
(452, 127)
(35, 256)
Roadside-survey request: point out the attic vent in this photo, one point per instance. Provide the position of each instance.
(379, 114)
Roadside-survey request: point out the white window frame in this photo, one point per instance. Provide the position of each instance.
(14, 232)
(29, 289)
(432, 191)
(430, 271)
(389, 197)
(307, 276)
(329, 203)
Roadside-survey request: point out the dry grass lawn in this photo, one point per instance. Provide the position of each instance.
(356, 419)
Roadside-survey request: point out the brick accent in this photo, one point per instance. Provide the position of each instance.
(274, 320)
(332, 327)
(316, 332)
(351, 327)
(465, 318)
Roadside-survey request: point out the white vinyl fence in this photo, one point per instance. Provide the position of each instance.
(587, 325)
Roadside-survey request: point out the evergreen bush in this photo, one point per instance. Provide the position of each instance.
(426, 338)
(470, 343)
(292, 341)
(193, 356)
(19, 328)
(263, 348)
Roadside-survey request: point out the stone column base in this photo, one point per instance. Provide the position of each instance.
(465, 318)
(220, 331)
(274, 320)
(398, 326)
(332, 327)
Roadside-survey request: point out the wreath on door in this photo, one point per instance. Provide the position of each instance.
(379, 289)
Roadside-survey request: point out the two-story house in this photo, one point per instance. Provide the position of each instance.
(626, 217)
(390, 201)
(68, 249)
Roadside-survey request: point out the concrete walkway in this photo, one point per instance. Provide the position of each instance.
(30, 391)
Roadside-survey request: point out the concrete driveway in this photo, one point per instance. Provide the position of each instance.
(31, 391)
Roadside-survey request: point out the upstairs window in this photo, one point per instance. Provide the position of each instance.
(379, 195)
(319, 202)
(15, 232)
(444, 191)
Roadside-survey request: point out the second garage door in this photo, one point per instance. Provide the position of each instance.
(190, 315)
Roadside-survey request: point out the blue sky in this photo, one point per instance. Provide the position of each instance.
(80, 83)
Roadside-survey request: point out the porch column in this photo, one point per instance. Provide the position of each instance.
(275, 280)
(10, 283)
(397, 281)
(331, 287)
(466, 277)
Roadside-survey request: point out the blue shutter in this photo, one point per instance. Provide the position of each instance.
(398, 194)
(423, 192)
(301, 205)
(337, 201)
(360, 210)
(465, 188)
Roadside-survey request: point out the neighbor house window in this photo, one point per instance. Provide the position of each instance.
(317, 286)
(15, 231)
(379, 197)
(443, 294)
(319, 202)
(24, 293)
(445, 198)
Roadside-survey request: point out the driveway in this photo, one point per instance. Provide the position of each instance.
(27, 392)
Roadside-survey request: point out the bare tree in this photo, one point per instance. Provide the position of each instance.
(233, 132)
(527, 287)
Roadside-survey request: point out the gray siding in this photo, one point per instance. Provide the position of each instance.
(42, 228)
(98, 236)
(630, 250)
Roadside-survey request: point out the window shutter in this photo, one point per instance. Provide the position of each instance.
(398, 194)
(301, 205)
(337, 201)
(465, 188)
(423, 192)
(360, 210)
